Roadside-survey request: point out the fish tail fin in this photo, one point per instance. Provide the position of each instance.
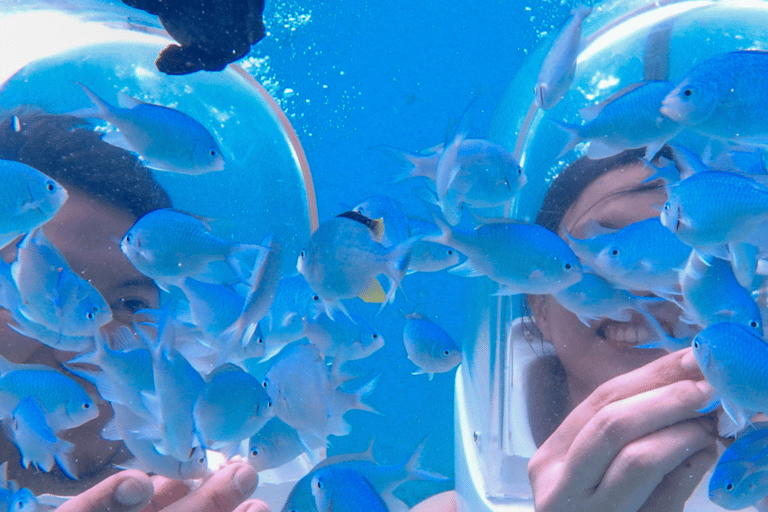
(573, 131)
(63, 456)
(448, 166)
(101, 108)
(445, 229)
(413, 164)
(413, 466)
(397, 266)
(364, 391)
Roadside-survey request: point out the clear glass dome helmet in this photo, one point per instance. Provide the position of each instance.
(266, 186)
(111, 48)
(623, 42)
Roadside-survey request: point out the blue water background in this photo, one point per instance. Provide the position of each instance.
(364, 73)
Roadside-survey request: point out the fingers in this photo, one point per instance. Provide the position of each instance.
(127, 491)
(223, 492)
(619, 423)
(677, 366)
(167, 491)
(679, 484)
(252, 506)
(645, 464)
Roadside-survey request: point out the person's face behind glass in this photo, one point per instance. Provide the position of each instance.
(87, 232)
(590, 354)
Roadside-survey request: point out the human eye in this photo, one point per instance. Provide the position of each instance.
(131, 304)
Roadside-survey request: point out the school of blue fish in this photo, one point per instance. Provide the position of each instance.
(178, 379)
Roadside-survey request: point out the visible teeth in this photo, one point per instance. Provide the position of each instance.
(630, 335)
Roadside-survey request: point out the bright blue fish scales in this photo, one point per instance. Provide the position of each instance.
(168, 246)
(724, 98)
(344, 257)
(690, 212)
(522, 258)
(345, 490)
(734, 360)
(164, 138)
(428, 346)
(28, 199)
(740, 478)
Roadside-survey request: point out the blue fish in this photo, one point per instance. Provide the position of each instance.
(344, 256)
(384, 478)
(263, 290)
(349, 338)
(522, 258)
(429, 347)
(559, 64)
(28, 199)
(391, 213)
(276, 444)
(232, 406)
(712, 294)
(627, 120)
(66, 404)
(52, 295)
(708, 225)
(718, 98)
(125, 425)
(740, 478)
(734, 360)
(164, 138)
(641, 256)
(124, 376)
(37, 442)
(167, 246)
(344, 490)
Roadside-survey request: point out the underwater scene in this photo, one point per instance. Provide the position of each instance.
(368, 256)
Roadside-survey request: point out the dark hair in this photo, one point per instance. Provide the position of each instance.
(571, 182)
(66, 149)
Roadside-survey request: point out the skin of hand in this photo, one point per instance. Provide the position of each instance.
(134, 491)
(637, 442)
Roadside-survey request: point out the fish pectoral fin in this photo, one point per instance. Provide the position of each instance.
(374, 293)
(465, 269)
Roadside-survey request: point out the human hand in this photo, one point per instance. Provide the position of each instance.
(637, 442)
(133, 491)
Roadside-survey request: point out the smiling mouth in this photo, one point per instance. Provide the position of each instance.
(636, 331)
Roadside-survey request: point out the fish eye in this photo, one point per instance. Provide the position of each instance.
(519, 170)
(254, 452)
(260, 340)
(128, 238)
(50, 186)
(89, 315)
(374, 335)
(615, 252)
(213, 153)
(269, 404)
(264, 384)
(446, 352)
(729, 486)
(666, 206)
(86, 406)
(755, 324)
(201, 460)
(303, 254)
(450, 252)
(567, 266)
(688, 92)
(315, 297)
(695, 343)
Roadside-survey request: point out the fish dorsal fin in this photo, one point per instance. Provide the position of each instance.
(591, 112)
(126, 101)
(374, 293)
(593, 228)
(375, 226)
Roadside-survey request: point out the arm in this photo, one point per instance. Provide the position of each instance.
(637, 442)
(133, 491)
